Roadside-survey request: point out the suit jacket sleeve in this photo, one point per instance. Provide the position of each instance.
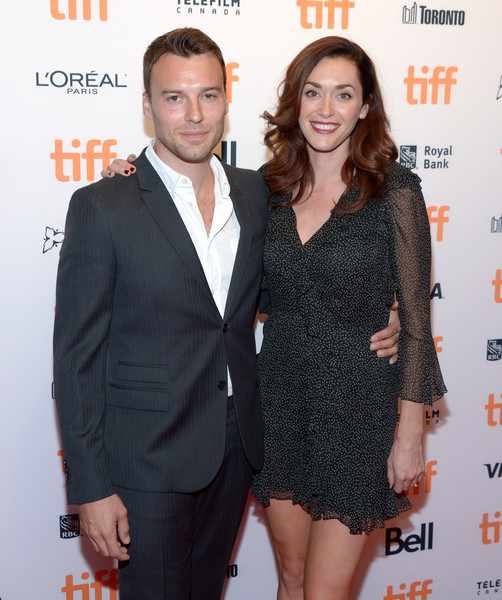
(84, 294)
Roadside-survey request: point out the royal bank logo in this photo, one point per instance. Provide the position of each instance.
(487, 587)
(422, 15)
(69, 526)
(79, 83)
(429, 157)
(74, 10)
(221, 8)
(53, 238)
(494, 350)
(496, 225)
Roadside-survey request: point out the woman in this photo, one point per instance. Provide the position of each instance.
(348, 233)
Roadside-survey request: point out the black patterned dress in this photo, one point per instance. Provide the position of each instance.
(329, 403)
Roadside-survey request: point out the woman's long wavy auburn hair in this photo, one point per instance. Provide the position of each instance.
(289, 172)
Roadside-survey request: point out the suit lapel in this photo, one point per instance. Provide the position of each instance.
(165, 214)
(242, 213)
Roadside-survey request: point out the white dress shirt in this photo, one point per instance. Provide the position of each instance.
(216, 250)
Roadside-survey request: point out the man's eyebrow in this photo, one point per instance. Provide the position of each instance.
(217, 88)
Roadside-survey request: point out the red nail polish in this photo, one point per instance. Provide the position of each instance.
(126, 172)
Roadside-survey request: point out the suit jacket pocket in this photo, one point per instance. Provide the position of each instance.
(140, 374)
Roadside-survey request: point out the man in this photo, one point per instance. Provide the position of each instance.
(154, 352)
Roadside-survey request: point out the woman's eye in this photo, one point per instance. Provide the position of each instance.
(311, 93)
(345, 96)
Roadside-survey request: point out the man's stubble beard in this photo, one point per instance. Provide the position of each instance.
(193, 154)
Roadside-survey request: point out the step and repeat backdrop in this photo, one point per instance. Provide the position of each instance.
(72, 103)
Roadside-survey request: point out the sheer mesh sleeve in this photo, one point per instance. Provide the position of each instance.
(420, 375)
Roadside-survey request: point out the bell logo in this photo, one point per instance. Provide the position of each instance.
(425, 484)
(231, 79)
(72, 9)
(104, 580)
(442, 77)
(497, 286)
(438, 216)
(493, 411)
(90, 156)
(331, 6)
(490, 529)
(418, 590)
(394, 544)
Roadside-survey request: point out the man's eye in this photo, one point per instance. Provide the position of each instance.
(173, 98)
(209, 96)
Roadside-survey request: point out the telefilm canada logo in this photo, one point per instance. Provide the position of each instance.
(421, 14)
(220, 8)
(487, 587)
(53, 238)
(494, 349)
(80, 83)
(69, 526)
(428, 158)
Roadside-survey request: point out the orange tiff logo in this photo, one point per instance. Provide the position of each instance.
(321, 7)
(93, 590)
(497, 286)
(73, 6)
(441, 79)
(417, 590)
(95, 150)
(493, 411)
(438, 216)
(490, 529)
(425, 484)
(438, 340)
(231, 79)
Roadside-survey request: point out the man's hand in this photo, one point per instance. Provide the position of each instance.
(385, 342)
(105, 523)
(120, 166)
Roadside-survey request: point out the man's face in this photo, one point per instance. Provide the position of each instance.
(187, 105)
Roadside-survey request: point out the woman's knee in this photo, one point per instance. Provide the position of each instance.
(292, 571)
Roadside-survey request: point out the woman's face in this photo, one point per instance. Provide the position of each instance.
(331, 104)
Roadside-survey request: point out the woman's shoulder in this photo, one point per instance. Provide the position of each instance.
(398, 177)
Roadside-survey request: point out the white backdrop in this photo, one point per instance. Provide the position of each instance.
(72, 99)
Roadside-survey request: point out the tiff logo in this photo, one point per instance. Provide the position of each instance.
(231, 79)
(496, 225)
(497, 286)
(104, 580)
(442, 78)
(493, 411)
(425, 484)
(438, 340)
(490, 530)
(418, 590)
(330, 7)
(72, 9)
(95, 150)
(438, 216)
(494, 470)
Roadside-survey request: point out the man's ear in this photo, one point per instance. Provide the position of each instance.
(147, 106)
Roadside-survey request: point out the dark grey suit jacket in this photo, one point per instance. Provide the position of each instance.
(140, 349)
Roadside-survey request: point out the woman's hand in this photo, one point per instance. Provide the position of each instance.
(120, 166)
(405, 465)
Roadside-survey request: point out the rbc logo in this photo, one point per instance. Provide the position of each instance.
(95, 150)
(494, 350)
(72, 10)
(394, 544)
(408, 156)
(331, 6)
(418, 590)
(105, 580)
(435, 82)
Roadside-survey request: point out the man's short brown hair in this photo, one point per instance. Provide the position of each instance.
(184, 42)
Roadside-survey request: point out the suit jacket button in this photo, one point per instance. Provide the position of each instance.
(222, 385)
(225, 327)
